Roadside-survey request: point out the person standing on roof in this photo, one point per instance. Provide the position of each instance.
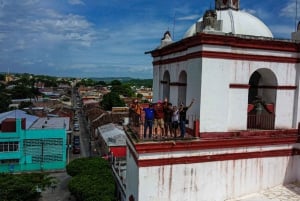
(149, 118)
(182, 117)
(159, 118)
(168, 112)
(136, 111)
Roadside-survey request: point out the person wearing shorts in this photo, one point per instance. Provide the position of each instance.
(159, 118)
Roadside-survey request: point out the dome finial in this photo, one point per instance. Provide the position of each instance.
(226, 4)
(166, 39)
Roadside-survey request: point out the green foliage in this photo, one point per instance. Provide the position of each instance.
(25, 104)
(86, 82)
(23, 187)
(5, 100)
(92, 179)
(123, 89)
(101, 83)
(20, 92)
(2, 77)
(110, 100)
(115, 82)
(139, 96)
(147, 83)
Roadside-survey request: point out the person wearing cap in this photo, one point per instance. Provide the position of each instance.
(182, 117)
(135, 111)
(149, 118)
(159, 118)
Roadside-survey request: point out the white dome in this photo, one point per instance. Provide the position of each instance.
(237, 22)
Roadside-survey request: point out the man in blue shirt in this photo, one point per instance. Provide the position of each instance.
(149, 118)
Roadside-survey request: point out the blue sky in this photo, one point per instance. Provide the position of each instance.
(105, 38)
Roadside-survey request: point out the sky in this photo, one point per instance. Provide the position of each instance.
(108, 38)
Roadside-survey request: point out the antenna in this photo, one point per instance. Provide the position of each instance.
(174, 21)
(296, 17)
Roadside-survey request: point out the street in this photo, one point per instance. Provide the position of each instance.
(61, 192)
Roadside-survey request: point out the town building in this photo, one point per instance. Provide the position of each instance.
(29, 143)
(245, 126)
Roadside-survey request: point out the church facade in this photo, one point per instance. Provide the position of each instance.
(246, 86)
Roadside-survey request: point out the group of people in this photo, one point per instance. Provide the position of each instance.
(165, 117)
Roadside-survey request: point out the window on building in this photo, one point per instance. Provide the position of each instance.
(9, 146)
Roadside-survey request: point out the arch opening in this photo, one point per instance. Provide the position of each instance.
(262, 100)
(182, 87)
(166, 85)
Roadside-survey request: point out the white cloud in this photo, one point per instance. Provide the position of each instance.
(189, 17)
(290, 9)
(76, 2)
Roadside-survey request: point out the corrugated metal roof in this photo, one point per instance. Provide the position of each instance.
(18, 114)
(112, 135)
(51, 122)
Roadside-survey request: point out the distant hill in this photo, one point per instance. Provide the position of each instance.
(132, 81)
(109, 79)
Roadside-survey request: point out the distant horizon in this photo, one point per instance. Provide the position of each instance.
(117, 77)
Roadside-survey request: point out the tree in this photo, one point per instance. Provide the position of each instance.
(20, 92)
(140, 96)
(24, 104)
(147, 83)
(2, 77)
(92, 179)
(23, 187)
(86, 82)
(110, 100)
(115, 82)
(123, 89)
(101, 83)
(5, 100)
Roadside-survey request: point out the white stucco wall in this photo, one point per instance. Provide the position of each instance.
(156, 83)
(284, 109)
(214, 95)
(132, 176)
(214, 181)
(296, 115)
(237, 117)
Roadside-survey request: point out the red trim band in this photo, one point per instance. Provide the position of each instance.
(218, 157)
(225, 40)
(225, 55)
(239, 86)
(247, 86)
(177, 84)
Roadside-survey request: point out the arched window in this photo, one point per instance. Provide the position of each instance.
(166, 85)
(262, 99)
(182, 87)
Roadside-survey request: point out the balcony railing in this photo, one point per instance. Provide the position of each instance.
(261, 121)
(137, 125)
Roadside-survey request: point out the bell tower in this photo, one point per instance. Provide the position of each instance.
(227, 4)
